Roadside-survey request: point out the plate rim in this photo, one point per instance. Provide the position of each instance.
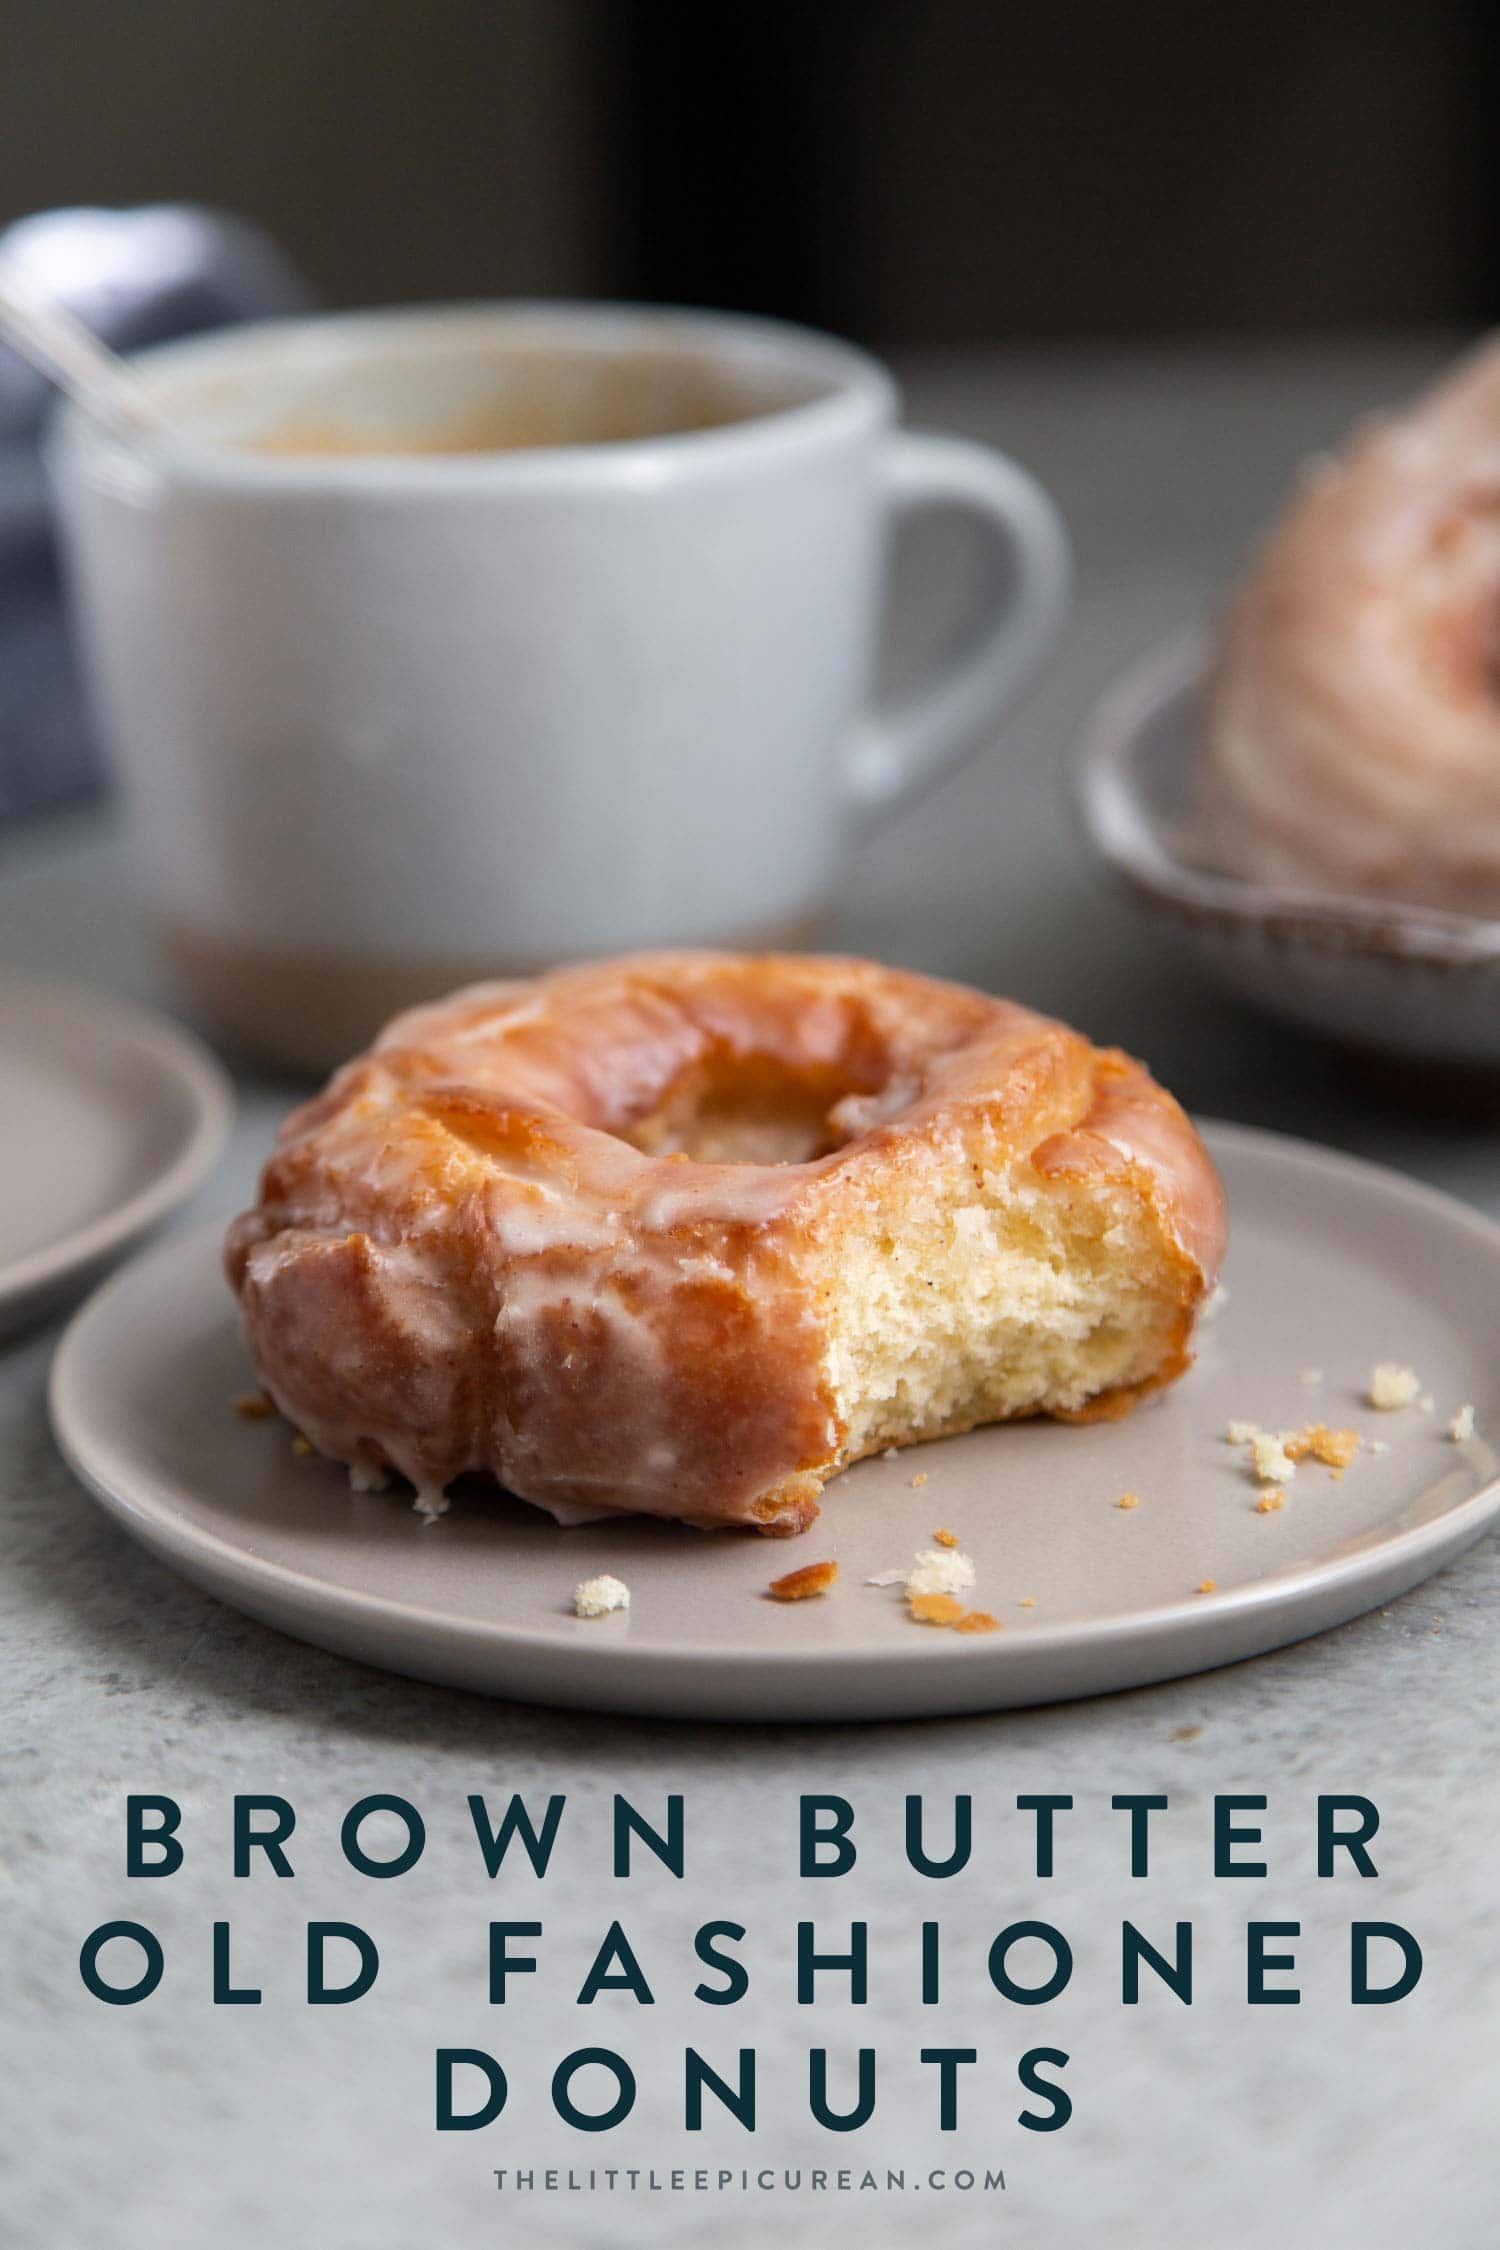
(182, 1058)
(990, 1658)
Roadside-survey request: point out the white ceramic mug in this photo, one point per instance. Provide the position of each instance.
(392, 718)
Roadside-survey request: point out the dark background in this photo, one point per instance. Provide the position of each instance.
(919, 173)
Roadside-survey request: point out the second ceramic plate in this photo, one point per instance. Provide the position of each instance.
(1335, 1266)
(1386, 978)
(109, 1118)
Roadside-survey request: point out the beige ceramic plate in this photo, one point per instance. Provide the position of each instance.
(109, 1118)
(1335, 1265)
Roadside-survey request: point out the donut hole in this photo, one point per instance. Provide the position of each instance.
(756, 1108)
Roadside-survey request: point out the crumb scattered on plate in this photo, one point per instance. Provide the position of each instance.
(936, 1609)
(1027, 1601)
(947, 1609)
(919, 1480)
(934, 1584)
(1270, 1501)
(1271, 1461)
(1274, 1454)
(1462, 1425)
(1392, 1386)
(1186, 1734)
(940, 1570)
(801, 1585)
(302, 1446)
(1209, 1586)
(255, 1406)
(596, 1597)
(1128, 1500)
(1334, 1448)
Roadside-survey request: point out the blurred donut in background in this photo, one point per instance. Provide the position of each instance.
(1354, 716)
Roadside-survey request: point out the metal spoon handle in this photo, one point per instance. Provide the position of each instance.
(45, 332)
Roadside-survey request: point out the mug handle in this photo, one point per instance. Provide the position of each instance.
(899, 753)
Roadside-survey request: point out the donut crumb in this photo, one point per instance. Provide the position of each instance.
(940, 1571)
(255, 1406)
(801, 1585)
(1271, 1460)
(1334, 1448)
(950, 1538)
(1209, 1586)
(1392, 1386)
(1128, 1500)
(935, 1609)
(977, 1621)
(596, 1597)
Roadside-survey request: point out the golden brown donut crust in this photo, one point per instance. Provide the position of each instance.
(486, 1246)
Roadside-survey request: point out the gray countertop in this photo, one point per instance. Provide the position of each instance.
(177, 2124)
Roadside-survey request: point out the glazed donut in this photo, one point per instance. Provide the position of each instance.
(1354, 716)
(688, 1233)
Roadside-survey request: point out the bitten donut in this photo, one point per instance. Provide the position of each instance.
(688, 1233)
